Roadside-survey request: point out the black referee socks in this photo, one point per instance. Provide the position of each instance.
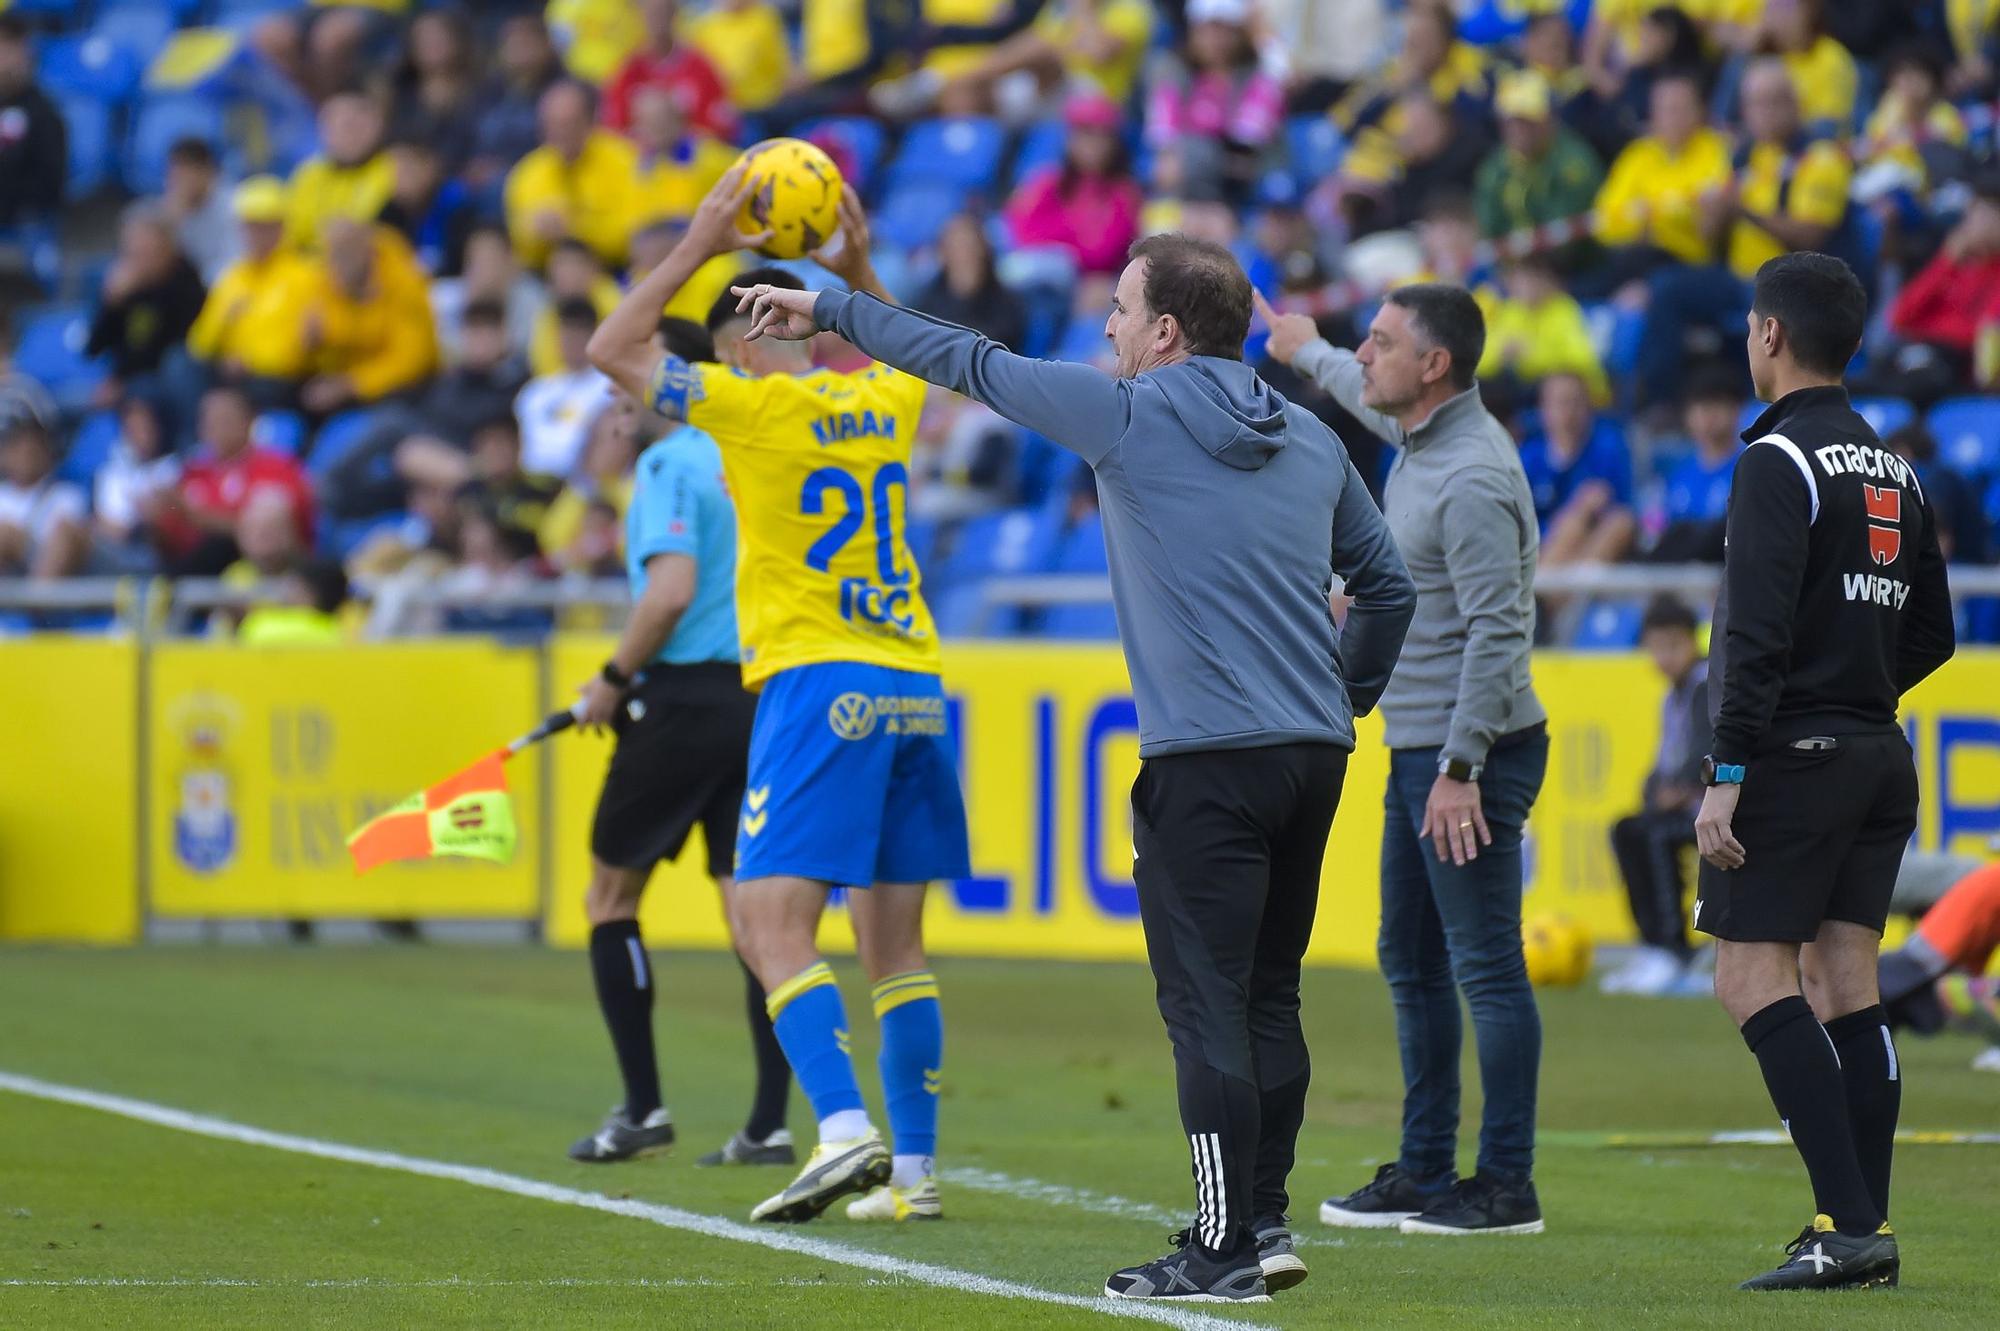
(624, 978)
(1874, 1092)
(1803, 1075)
(774, 1074)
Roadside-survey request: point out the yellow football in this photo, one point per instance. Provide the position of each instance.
(795, 195)
(1557, 950)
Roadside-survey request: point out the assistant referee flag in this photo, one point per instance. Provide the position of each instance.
(469, 815)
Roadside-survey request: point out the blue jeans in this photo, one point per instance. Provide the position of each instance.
(1447, 928)
(1684, 298)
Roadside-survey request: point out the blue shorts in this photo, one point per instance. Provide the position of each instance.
(853, 780)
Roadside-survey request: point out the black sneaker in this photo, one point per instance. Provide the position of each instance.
(1480, 1205)
(1187, 1275)
(1389, 1199)
(622, 1139)
(1822, 1257)
(1278, 1255)
(775, 1149)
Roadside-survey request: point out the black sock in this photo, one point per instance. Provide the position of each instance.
(774, 1074)
(1874, 1092)
(625, 992)
(1803, 1075)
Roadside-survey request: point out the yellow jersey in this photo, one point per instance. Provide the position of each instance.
(818, 466)
(1652, 195)
(1807, 185)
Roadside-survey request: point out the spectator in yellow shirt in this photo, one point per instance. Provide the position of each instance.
(350, 177)
(1072, 45)
(582, 182)
(594, 36)
(1533, 330)
(1822, 71)
(574, 274)
(246, 326)
(1913, 134)
(1650, 206)
(676, 167)
(1789, 193)
(745, 41)
(366, 318)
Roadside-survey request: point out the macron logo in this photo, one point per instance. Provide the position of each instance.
(1872, 588)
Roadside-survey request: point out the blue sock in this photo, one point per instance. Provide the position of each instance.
(811, 1024)
(906, 1008)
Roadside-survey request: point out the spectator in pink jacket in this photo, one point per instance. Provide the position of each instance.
(1225, 102)
(1089, 204)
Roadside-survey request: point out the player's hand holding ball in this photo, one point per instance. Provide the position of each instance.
(1289, 333)
(849, 255)
(714, 227)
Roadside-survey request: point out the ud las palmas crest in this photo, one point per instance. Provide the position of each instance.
(205, 823)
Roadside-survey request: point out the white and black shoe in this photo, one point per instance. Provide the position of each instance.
(1481, 1204)
(1188, 1275)
(622, 1139)
(1387, 1200)
(1278, 1254)
(834, 1170)
(775, 1149)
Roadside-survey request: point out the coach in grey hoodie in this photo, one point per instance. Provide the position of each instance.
(1468, 749)
(1227, 513)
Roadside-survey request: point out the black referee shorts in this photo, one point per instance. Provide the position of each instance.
(682, 756)
(1823, 833)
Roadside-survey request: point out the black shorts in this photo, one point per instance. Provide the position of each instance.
(683, 752)
(1823, 835)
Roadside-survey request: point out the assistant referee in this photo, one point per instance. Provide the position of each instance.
(1833, 605)
(673, 694)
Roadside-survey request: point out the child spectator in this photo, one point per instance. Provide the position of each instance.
(1697, 487)
(1581, 476)
(1089, 204)
(130, 488)
(1534, 330)
(574, 274)
(43, 530)
(312, 596)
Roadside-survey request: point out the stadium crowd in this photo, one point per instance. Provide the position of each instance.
(299, 284)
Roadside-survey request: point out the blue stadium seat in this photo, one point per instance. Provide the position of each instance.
(282, 430)
(1082, 341)
(1082, 552)
(1313, 148)
(93, 151)
(910, 216)
(1885, 415)
(964, 153)
(139, 26)
(1968, 434)
(89, 448)
(1609, 626)
(857, 143)
(233, 13)
(1041, 145)
(89, 65)
(337, 437)
(159, 123)
(50, 351)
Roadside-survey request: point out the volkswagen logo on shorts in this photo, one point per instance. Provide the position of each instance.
(852, 716)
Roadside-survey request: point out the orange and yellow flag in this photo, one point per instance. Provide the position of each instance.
(469, 814)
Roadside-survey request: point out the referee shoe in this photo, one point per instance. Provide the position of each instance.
(740, 1149)
(1278, 1254)
(1822, 1257)
(622, 1139)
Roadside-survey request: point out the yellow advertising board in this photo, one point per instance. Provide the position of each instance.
(69, 789)
(1048, 738)
(263, 760)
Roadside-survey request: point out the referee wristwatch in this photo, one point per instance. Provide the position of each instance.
(615, 677)
(1714, 773)
(1457, 769)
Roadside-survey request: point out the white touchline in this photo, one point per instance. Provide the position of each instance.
(1045, 1193)
(671, 1217)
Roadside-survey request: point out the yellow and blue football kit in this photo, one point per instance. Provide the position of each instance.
(853, 779)
(853, 776)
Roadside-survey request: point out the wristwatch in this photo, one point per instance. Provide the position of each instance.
(1457, 769)
(1714, 773)
(615, 677)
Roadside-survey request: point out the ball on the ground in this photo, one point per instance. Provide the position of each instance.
(795, 195)
(1557, 950)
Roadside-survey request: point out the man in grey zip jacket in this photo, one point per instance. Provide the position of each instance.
(1469, 746)
(1227, 513)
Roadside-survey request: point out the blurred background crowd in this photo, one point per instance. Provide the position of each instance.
(298, 292)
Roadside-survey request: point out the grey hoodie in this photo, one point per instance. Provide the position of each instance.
(1227, 512)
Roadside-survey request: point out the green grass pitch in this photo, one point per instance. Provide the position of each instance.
(1061, 1146)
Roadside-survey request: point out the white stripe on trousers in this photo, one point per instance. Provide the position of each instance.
(1889, 1044)
(1211, 1198)
(638, 962)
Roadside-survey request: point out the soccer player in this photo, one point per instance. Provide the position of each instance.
(853, 780)
(1834, 604)
(672, 692)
